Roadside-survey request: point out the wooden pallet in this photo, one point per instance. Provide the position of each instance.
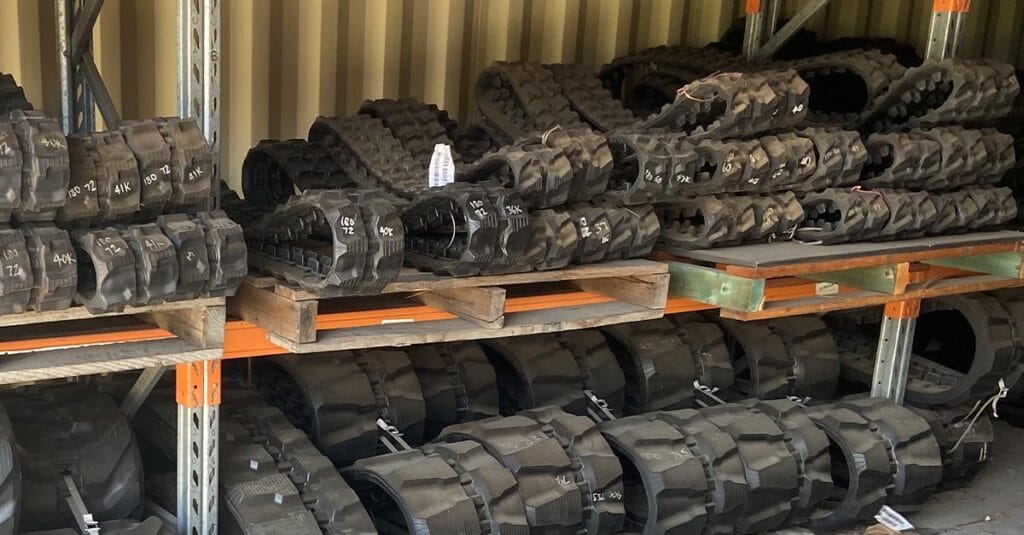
(37, 346)
(786, 279)
(423, 308)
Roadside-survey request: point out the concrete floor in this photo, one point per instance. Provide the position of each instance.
(997, 494)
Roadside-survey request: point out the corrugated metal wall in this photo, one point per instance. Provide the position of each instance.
(285, 61)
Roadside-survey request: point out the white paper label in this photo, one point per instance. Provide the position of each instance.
(442, 166)
(826, 288)
(893, 520)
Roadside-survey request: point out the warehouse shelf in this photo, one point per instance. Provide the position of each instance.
(135, 338)
(276, 319)
(451, 309)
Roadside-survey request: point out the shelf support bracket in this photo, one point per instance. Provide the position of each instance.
(198, 393)
(787, 32)
(948, 17)
(895, 343)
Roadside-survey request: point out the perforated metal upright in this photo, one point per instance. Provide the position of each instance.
(82, 92)
(760, 42)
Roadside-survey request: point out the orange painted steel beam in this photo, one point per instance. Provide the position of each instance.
(112, 337)
(198, 383)
(911, 308)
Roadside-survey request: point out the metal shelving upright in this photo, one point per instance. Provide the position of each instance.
(82, 90)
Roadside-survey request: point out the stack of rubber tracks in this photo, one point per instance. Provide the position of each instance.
(937, 158)
(145, 168)
(664, 167)
(176, 258)
(738, 468)
(947, 91)
(464, 230)
(834, 215)
(342, 238)
(831, 215)
(734, 104)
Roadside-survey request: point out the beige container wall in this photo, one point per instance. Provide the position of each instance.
(286, 61)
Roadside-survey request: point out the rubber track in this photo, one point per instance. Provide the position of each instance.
(513, 232)
(665, 483)
(540, 465)
(11, 164)
(960, 464)
(760, 356)
(16, 278)
(10, 475)
(417, 125)
(1012, 302)
(866, 461)
(707, 345)
(426, 491)
(118, 185)
(697, 223)
(46, 172)
(727, 483)
(333, 503)
(770, 466)
(396, 389)
(876, 70)
(839, 157)
(542, 175)
(810, 446)
(192, 162)
(520, 98)
(272, 170)
(589, 155)
(156, 263)
(553, 240)
(597, 469)
(815, 356)
(385, 239)
(947, 91)
(599, 369)
(913, 450)
(298, 220)
(82, 204)
(534, 371)
(79, 431)
(360, 141)
(492, 487)
(458, 384)
(835, 215)
(12, 96)
(994, 352)
(430, 241)
(54, 274)
(657, 365)
(256, 495)
(153, 157)
(589, 98)
(335, 404)
(111, 263)
(734, 105)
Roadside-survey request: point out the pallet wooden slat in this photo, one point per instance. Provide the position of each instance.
(295, 318)
(69, 362)
(516, 324)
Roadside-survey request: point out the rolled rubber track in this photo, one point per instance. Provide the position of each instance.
(543, 471)
(658, 367)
